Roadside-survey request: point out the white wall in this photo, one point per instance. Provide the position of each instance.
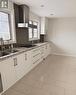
(62, 34)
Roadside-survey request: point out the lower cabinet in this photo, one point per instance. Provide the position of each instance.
(19, 65)
(14, 68)
(22, 63)
(36, 55)
(7, 73)
(47, 49)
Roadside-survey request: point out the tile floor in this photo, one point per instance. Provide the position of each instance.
(54, 76)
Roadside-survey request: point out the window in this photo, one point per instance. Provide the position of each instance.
(4, 26)
(30, 33)
(35, 23)
(33, 30)
(35, 33)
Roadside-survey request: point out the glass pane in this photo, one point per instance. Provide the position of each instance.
(35, 23)
(35, 32)
(4, 26)
(30, 33)
(30, 22)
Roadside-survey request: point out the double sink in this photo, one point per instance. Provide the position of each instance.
(29, 46)
(4, 53)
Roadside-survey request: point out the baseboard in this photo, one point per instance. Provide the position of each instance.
(68, 55)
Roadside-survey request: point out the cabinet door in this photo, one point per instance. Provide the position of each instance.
(22, 63)
(44, 25)
(48, 49)
(19, 65)
(7, 73)
(28, 59)
(45, 50)
(42, 51)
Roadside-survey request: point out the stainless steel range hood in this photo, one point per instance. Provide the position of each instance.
(23, 16)
(23, 25)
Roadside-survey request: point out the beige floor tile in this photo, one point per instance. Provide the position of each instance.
(22, 88)
(12, 92)
(70, 92)
(54, 90)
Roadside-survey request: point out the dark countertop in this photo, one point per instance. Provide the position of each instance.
(21, 50)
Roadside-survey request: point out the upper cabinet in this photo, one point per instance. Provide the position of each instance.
(44, 25)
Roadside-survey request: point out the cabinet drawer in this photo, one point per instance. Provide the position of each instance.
(35, 51)
(36, 57)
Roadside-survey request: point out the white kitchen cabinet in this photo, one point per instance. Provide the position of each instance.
(48, 49)
(28, 61)
(19, 65)
(22, 63)
(44, 25)
(36, 56)
(8, 73)
(14, 68)
(45, 50)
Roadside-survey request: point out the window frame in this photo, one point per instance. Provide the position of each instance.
(32, 34)
(9, 19)
(37, 33)
(32, 26)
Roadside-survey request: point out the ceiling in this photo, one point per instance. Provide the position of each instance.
(51, 8)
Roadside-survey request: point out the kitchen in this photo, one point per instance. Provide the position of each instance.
(37, 50)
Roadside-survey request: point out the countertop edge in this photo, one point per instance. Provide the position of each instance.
(21, 51)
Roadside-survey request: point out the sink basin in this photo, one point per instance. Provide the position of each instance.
(4, 53)
(13, 51)
(29, 46)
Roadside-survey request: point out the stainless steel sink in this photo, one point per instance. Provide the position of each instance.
(29, 46)
(4, 53)
(13, 51)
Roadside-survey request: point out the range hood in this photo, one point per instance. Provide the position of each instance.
(23, 16)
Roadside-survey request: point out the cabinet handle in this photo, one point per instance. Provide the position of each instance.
(25, 56)
(15, 61)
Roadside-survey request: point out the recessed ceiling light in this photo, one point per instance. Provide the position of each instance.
(42, 6)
